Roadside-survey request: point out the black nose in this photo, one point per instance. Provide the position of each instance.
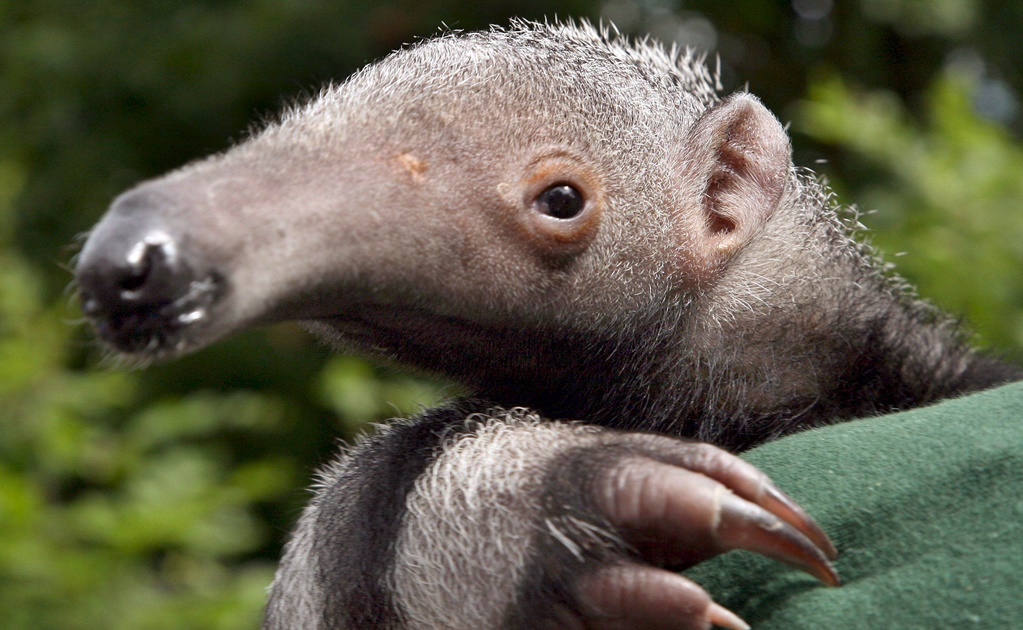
(136, 284)
(132, 276)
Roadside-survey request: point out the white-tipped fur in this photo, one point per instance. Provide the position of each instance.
(435, 522)
(472, 518)
(299, 600)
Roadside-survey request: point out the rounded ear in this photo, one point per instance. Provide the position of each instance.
(737, 161)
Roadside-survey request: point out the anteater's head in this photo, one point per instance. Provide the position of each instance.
(542, 178)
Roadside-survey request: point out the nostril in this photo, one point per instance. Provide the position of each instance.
(146, 261)
(132, 283)
(151, 273)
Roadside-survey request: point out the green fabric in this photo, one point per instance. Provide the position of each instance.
(926, 508)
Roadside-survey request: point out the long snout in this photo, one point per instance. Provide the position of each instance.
(271, 232)
(348, 213)
(141, 283)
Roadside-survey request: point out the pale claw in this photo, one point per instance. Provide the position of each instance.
(721, 616)
(745, 525)
(633, 596)
(750, 483)
(686, 502)
(777, 502)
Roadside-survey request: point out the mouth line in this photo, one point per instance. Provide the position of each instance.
(156, 329)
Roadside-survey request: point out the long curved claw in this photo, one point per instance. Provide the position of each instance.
(777, 502)
(637, 597)
(742, 478)
(675, 516)
(746, 525)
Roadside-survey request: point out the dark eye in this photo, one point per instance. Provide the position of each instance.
(560, 201)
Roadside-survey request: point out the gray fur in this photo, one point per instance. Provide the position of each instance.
(298, 592)
(477, 502)
(717, 293)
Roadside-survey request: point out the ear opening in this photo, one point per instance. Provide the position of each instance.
(739, 157)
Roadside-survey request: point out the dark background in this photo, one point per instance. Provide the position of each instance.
(160, 498)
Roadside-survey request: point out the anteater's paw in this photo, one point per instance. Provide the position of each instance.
(673, 504)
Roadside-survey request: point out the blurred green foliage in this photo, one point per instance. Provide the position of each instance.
(160, 498)
(112, 515)
(949, 190)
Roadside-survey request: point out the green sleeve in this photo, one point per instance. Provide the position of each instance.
(925, 507)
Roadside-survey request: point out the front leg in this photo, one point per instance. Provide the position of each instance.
(517, 522)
